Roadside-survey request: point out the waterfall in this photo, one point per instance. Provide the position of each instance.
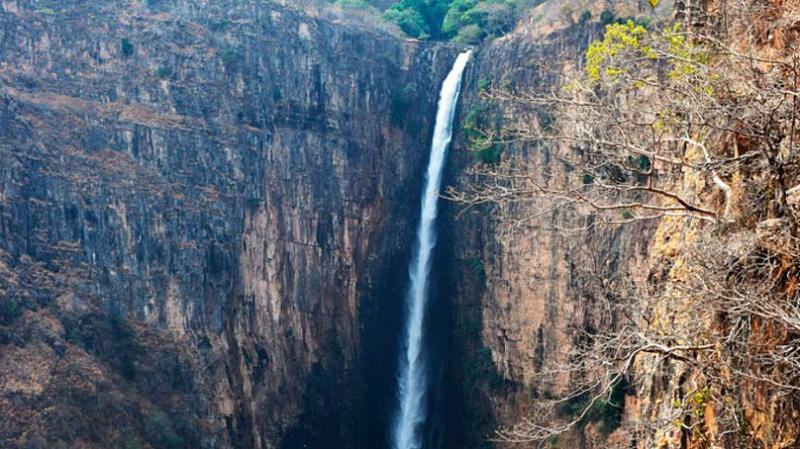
(412, 376)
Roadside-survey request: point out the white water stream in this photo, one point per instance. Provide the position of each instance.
(412, 375)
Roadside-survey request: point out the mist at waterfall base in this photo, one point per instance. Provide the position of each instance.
(413, 376)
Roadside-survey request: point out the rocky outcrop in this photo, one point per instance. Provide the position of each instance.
(193, 198)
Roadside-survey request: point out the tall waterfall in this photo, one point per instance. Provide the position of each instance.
(412, 376)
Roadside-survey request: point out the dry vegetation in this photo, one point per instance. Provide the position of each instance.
(694, 128)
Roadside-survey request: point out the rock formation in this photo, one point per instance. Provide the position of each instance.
(194, 196)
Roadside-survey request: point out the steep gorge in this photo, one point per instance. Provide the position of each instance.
(205, 216)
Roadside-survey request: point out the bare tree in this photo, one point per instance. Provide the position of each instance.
(670, 125)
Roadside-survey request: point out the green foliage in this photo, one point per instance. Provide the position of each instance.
(484, 84)
(229, 57)
(492, 155)
(470, 34)
(160, 432)
(480, 124)
(684, 55)
(126, 47)
(418, 18)
(402, 101)
(458, 13)
(606, 413)
(701, 398)
(630, 48)
(474, 20)
(607, 17)
(463, 21)
(603, 56)
(644, 163)
(476, 266)
(353, 4)
(10, 310)
(585, 17)
(163, 71)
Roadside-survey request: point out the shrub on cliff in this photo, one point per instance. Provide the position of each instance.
(353, 4)
(469, 21)
(126, 47)
(160, 432)
(402, 101)
(230, 57)
(10, 310)
(481, 128)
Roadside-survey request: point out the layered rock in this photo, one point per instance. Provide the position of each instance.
(520, 278)
(194, 195)
(533, 278)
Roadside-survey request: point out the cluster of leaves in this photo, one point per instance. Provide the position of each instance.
(630, 47)
(464, 21)
(694, 405)
(354, 4)
(10, 310)
(418, 18)
(606, 413)
(470, 21)
(126, 47)
(480, 127)
(603, 57)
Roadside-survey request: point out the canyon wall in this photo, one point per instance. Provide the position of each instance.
(202, 207)
(524, 284)
(519, 278)
(206, 210)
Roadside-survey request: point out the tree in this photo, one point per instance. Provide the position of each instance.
(673, 127)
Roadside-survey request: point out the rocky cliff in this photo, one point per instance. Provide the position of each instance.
(206, 209)
(194, 201)
(521, 277)
(526, 277)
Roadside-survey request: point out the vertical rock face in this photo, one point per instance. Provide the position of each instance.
(193, 196)
(528, 293)
(524, 287)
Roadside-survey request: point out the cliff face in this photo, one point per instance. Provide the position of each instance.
(193, 198)
(526, 276)
(527, 294)
(525, 284)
